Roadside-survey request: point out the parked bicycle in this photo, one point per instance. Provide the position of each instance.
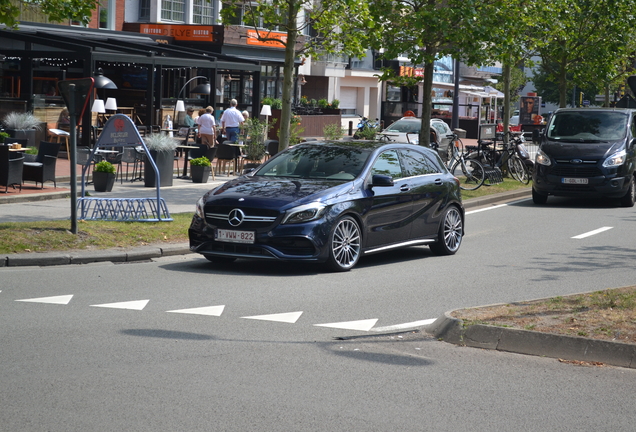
(468, 170)
(510, 159)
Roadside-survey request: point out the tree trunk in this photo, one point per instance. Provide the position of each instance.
(427, 100)
(288, 78)
(506, 91)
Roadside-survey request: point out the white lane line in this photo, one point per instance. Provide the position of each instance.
(591, 233)
(404, 326)
(134, 305)
(363, 325)
(496, 206)
(63, 300)
(289, 317)
(206, 310)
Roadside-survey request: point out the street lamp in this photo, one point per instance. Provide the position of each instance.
(200, 89)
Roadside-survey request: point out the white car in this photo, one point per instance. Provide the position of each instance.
(407, 130)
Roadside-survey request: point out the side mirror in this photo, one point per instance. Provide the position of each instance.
(536, 135)
(381, 180)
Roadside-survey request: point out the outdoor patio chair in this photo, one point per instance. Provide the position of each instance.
(43, 169)
(225, 154)
(271, 147)
(11, 165)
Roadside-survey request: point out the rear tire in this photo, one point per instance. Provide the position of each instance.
(450, 233)
(538, 198)
(630, 197)
(470, 173)
(518, 170)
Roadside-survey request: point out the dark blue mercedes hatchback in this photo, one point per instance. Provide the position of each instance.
(332, 202)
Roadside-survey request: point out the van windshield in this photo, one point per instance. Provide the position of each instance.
(588, 126)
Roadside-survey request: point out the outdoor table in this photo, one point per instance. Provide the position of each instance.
(186, 150)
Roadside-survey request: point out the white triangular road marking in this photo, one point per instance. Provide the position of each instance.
(63, 300)
(289, 317)
(409, 325)
(207, 310)
(135, 305)
(363, 325)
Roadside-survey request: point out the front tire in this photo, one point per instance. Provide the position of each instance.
(450, 233)
(538, 198)
(630, 197)
(344, 244)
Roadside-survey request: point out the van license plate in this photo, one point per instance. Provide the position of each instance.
(574, 180)
(233, 236)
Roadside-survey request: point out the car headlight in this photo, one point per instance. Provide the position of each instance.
(304, 213)
(198, 210)
(542, 158)
(615, 160)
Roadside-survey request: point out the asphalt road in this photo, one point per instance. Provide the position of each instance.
(179, 344)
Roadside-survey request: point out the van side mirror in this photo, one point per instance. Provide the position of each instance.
(536, 135)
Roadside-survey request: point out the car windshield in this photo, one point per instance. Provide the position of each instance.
(405, 126)
(317, 162)
(590, 126)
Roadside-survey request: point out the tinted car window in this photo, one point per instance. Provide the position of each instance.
(317, 161)
(405, 126)
(388, 163)
(417, 163)
(582, 126)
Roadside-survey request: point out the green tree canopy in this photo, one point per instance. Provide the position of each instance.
(54, 10)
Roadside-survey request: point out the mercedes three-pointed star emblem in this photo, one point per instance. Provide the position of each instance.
(235, 218)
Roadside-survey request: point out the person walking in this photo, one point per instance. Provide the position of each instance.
(207, 128)
(231, 120)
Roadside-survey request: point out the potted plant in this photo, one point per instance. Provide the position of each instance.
(161, 147)
(104, 176)
(323, 104)
(200, 169)
(254, 144)
(31, 154)
(22, 125)
(3, 136)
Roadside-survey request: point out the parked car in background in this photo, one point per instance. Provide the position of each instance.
(332, 202)
(587, 152)
(407, 130)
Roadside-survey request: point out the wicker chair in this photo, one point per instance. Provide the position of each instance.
(43, 169)
(10, 168)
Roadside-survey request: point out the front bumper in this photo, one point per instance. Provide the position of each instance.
(294, 242)
(610, 186)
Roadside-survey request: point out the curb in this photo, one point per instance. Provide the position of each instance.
(453, 330)
(84, 257)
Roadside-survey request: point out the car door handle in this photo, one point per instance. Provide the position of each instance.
(405, 188)
(438, 182)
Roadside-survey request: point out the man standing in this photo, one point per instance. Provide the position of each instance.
(231, 120)
(207, 128)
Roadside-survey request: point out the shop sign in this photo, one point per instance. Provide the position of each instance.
(273, 42)
(411, 71)
(184, 32)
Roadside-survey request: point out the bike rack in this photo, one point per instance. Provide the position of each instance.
(120, 131)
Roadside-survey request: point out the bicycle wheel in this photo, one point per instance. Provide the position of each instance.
(469, 172)
(518, 170)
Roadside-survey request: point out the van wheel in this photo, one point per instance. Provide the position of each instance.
(538, 198)
(630, 197)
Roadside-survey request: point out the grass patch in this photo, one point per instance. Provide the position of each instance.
(45, 236)
(607, 315)
(507, 185)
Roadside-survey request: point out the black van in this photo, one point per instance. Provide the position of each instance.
(587, 152)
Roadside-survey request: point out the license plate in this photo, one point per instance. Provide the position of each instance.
(233, 236)
(574, 180)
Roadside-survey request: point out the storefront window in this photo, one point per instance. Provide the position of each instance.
(173, 10)
(238, 14)
(144, 10)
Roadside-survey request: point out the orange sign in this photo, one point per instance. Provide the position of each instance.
(252, 38)
(192, 33)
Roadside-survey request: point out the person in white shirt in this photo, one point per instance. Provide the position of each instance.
(231, 120)
(207, 128)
